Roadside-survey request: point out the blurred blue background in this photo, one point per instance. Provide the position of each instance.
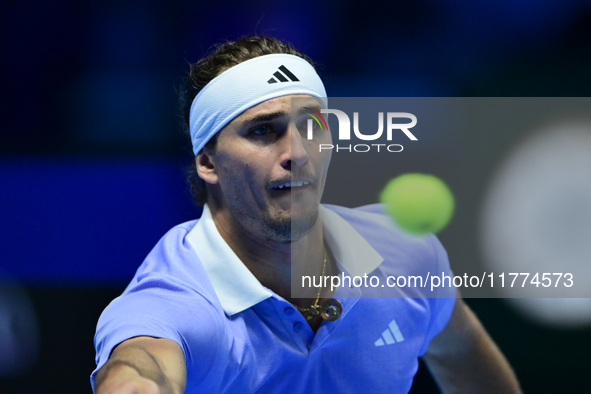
(93, 159)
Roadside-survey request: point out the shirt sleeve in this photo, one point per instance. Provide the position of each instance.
(159, 307)
(169, 297)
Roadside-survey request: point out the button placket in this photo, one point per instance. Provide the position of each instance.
(289, 311)
(292, 319)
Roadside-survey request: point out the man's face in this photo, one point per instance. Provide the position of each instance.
(270, 176)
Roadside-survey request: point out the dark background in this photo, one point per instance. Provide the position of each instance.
(92, 158)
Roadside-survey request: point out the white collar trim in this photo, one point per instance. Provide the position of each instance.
(238, 289)
(351, 250)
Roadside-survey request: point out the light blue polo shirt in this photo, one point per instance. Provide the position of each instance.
(240, 337)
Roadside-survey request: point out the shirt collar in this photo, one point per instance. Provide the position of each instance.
(350, 249)
(238, 289)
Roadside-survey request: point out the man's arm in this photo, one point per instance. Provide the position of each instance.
(143, 365)
(464, 359)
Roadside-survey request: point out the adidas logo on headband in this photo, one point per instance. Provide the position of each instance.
(213, 107)
(282, 75)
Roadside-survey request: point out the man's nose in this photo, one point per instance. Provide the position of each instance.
(295, 151)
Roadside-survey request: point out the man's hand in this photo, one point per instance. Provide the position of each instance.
(123, 379)
(464, 359)
(143, 365)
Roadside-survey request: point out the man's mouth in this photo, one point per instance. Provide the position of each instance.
(289, 185)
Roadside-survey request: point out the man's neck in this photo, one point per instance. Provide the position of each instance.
(271, 261)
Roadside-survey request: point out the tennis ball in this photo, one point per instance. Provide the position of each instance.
(418, 203)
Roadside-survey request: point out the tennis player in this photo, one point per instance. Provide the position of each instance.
(210, 310)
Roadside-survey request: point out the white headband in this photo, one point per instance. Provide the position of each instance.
(248, 84)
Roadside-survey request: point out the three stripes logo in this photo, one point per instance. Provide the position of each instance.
(283, 75)
(391, 335)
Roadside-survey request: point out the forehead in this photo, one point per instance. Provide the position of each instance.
(285, 104)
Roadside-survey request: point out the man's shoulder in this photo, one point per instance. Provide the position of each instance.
(384, 235)
(370, 208)
(176, 237)
(371, 212)
(181, 229)
(173, 256)
(173, 243)
(368, 218)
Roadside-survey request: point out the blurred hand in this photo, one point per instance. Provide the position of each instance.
(123, 379)
(138, 365)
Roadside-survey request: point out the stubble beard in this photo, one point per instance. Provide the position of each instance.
(288, 228)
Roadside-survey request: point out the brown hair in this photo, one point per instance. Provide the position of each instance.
(225, 56)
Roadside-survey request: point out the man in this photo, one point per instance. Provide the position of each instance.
(210, 310)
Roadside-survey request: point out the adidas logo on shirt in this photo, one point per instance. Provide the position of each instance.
(391, 335)
(283, 75)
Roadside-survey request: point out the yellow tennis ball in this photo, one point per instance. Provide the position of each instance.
(418, 203)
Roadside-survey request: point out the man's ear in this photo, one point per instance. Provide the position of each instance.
(206, 167)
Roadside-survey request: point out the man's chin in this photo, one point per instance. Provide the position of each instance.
(291, 226)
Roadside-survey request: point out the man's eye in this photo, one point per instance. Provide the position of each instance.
(262, 130)
(303, 125)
